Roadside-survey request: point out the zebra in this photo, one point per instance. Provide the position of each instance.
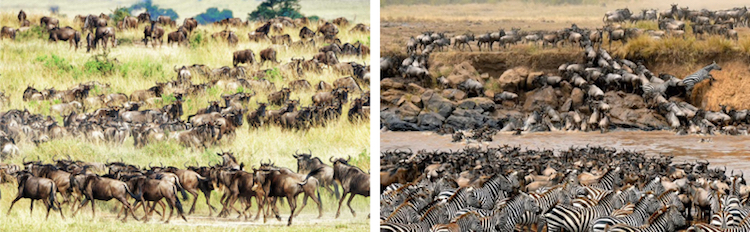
(546, 201)
(505, 219)
(609, 180)
(460, 223)
(645, 207)
(704, 73)
(457, 201)
(666, 219)
(730, 213)
(495, 188)
(568, 218)
(744, 226)
(430, 217)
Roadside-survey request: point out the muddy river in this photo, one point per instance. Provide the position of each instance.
(720, 150)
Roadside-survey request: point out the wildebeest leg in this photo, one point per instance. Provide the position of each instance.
(304, 203)
(207, 194)
(83, 203)
(49, 207)
(292, 200)
(349, 203)
(341, 202)
(31, 207)
(149, 211)
(171, 204)
(195, 199)
(18, 197)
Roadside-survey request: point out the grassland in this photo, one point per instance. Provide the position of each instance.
(31, 60)
(357, 10)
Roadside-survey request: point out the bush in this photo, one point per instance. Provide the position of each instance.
(154, 10)
(272, 8)
(198, 39)
(54, 62)
(100, 64)
(34, 32)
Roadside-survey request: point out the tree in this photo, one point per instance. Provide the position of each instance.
(213, 15)
(272, 8)
(120, 13)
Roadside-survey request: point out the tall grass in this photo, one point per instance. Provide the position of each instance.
(33, 61)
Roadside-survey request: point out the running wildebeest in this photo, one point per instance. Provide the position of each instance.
(283, 182)
(36, 188)
(105, 189)
(268, 54)
(353, 181)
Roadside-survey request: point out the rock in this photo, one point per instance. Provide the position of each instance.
(416, 100)
(415, 89)
(510, 80)
(567, 106)
(523, 71)
(461, 123)
(394, 123)
(389, 83)
(489, 93)
(430, 121)
(531, 77)
(408, 109)
(391, 96)
(486, 104)
(467, 105)
(539, 97)
(436, 103)
(454, 94)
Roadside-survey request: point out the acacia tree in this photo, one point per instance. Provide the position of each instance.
(272, 8)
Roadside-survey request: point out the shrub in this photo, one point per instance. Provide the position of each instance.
(100, 64)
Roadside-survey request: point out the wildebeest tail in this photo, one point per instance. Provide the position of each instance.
(312, 173)
(77, 37)
(136, 197)
(52, 194)
(336, 190)
(182, 190)
(319, 199)
(178, 204)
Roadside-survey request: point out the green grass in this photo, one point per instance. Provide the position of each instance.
(131, 66)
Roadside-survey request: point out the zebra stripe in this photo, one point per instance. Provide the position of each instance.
(700, 75)
(648, 205)
(667, 219)
(573, 219)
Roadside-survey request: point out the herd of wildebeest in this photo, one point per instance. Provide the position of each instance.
(78, 181)
(595, 91)
(580, 189)
(156, 114)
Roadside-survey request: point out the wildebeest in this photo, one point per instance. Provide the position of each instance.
(154, 33)
(306, 163)
(21, 16)
(105, 189)
(65, 34)
(36, 188)
(8, 32)
(129, 22)
(268, 54)
(282, 182)
(328, 29)
(142, 95)
(178, 37)
(463, 40)
(284, 39)
(49, 22)
(306, 33)
(279, 97)
(104, 34)
(327, 58)
(242, 57)
(190, 24)
(353, 181)
(255, 118)
(144, 17)
(154, 190)
(165, 21)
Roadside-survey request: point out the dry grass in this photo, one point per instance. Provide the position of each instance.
(29, 62)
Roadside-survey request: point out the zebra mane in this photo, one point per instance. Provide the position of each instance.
(401, 189)
(398, 209)
(658, 214)
(460, 190)
(465, 215)
(427, 213)
(665, 193)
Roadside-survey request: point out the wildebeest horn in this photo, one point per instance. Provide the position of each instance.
(196, 164)
(330, 159)
(348, 158)
(24, 159)
(209, 163)
(69, 159)
(175, 68)
(107, 162)
(162, 165)
(184, 164)
(149, 165)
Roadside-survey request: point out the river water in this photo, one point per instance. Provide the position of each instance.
(720, 150)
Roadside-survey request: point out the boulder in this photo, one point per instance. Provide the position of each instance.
(408, 109)
(389, 83)
(539, 97)
(454, 94)
(577, 97)
(435, 103)
(460, 122)
(510, 80)
(391, 96)
(430, 121)
(415, 89)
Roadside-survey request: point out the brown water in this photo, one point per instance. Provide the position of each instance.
(721, 150)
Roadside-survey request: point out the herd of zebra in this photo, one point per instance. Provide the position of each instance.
(670, 23)
(579, 189)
